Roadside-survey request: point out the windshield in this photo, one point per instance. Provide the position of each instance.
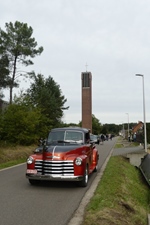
(67, 136)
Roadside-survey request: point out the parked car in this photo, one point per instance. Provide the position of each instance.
(94, 138)
(66, 155)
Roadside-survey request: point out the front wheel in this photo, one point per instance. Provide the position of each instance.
(95, 169)
(34, 182)
(84, 181)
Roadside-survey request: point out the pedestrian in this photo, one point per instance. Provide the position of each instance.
(107, 137)
(134, 137)
(102, 138)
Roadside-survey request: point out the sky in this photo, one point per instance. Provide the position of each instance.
(111, 37)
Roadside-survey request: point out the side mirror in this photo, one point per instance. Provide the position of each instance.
(42, 141)
(92, 142)
(38, 150)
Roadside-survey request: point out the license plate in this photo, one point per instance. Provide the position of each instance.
(32, 171)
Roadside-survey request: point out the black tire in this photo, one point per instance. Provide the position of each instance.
(84, 181)
(96, 167)
(33, 182)
(95, 170)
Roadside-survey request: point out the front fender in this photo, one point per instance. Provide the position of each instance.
(80, 170)
(95, 156)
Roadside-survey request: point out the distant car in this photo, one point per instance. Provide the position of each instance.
(94, 138)
(67, 155)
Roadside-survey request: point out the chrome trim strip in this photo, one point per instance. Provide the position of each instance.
(53, 177)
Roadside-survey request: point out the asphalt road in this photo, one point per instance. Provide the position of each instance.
(50, 203)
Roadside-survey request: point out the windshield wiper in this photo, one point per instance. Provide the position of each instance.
(74, 142)
(62, 141)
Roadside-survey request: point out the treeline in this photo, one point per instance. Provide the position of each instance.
(34, 113)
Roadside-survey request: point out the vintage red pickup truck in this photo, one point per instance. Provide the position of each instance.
(67, 155)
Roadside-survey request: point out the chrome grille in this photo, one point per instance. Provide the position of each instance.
(62, 168)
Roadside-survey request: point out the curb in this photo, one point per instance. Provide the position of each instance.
(77, 218)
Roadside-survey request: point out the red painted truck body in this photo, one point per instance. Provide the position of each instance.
(66, 155)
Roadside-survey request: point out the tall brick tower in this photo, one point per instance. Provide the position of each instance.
(86, 78)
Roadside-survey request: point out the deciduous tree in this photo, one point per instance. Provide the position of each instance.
(20, 124)
(96, 125)
(47, 95)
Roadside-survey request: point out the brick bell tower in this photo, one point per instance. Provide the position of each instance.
(86, 79)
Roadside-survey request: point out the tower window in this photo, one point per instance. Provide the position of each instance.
(85, 80)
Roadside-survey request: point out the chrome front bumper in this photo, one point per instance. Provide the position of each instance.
(53, 177)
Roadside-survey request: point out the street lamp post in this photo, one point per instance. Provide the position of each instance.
(144, 116)
(123, 134)
(128, 125)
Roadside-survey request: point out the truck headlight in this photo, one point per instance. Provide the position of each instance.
(30, 160)
(78, 161)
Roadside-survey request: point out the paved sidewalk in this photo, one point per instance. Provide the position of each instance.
(128, 147)
(125, 150)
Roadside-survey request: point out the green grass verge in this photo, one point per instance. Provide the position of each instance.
(13, 155)
(119, 145)
(121, 198)
(12, 163)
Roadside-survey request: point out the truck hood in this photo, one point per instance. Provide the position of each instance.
(60, 148)
(58, 152)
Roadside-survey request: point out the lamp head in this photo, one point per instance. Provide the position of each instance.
(139, 75)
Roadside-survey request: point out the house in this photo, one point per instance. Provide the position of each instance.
(138, 127)
(3, 105)
(137, 132)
